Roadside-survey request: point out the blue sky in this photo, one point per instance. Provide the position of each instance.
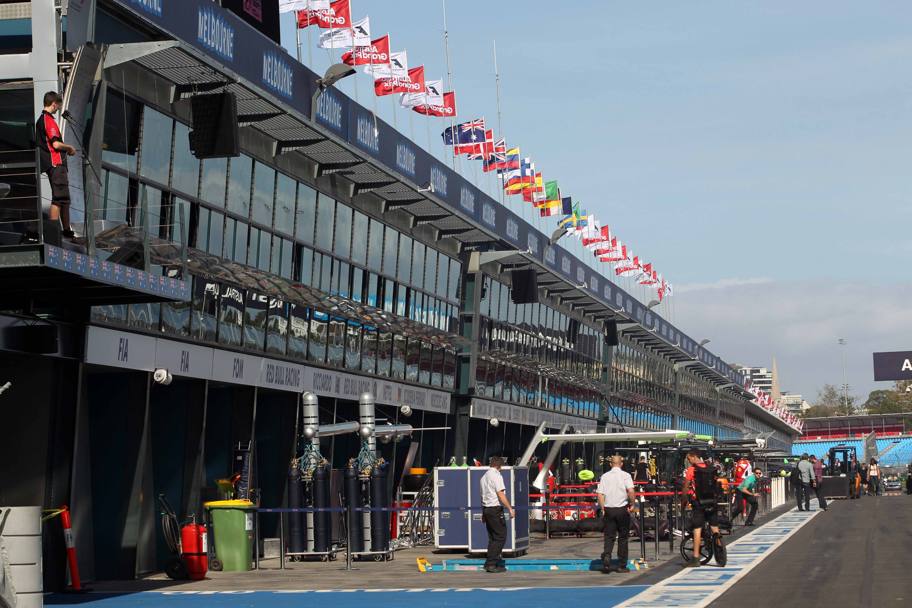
(743, 147)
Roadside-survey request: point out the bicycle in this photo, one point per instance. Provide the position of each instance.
(711, 545)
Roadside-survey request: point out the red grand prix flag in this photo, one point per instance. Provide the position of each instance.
(377, 52)
(337, 16)
(447, 110)
(396, 84)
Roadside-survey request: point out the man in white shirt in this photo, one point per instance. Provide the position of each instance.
(494, 500)
(617, 499)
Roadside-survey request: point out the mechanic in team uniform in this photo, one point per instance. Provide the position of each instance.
(53, 152)
(700, 478)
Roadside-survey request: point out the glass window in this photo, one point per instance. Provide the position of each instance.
(390, 249)
(265, 250)
(276, 327)
(212, 183)
(180, 220)
(430, 270)
(239, 176)
(449, 369)
(397, 369)
(116, 197)
(375, 245)
(357, 284)
(353, 345)
(152, 199)
(264, 178)
(384, 353)
(372, 288)
(204, 317)
(418, 264)
(231, 316)
(282, 252)
(455, 270)
(369, 350)
(256, 308)
(359, 245)
(286, 191)
(305, 265)
(326, 208)
(201, 241)
(121, 131)
(326, 267)
(316, 349)
(336, 342)
(185, 168)
(437, 366)
(176, 318)
(443, 275)
(306, 213)
(412, 360)
(300, 328)
(342, 279)
(155, 153)
(424, 368)
(389, 288)
(342, 243)
(145, 316)
(402, 300)
(404, 273)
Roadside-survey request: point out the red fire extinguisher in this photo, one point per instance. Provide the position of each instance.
(194, 550)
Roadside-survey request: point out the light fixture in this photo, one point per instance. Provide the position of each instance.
(705, 341)
(652, 304)
(333, 74)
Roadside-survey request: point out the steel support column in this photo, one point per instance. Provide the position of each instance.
(469, 328)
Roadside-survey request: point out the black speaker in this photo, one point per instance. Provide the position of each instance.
(611, 333)
(31, 338)
(261, 14)
(215, 126)
(525, 286)
(572, 331)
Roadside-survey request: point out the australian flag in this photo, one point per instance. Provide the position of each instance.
(466, 134)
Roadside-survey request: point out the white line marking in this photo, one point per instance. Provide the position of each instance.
(696, 588)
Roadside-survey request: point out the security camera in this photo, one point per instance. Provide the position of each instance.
(405, 410)
(162, 376)
(494, 422)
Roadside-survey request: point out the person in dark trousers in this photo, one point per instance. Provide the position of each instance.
(52, 155)
(494, 501)
(642, 470)
(874, 478)
(747, 493)
(616, 499)
(700, 478)
(805, 476)
(818, 481)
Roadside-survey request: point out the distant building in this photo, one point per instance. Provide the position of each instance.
(760, 377)
(796, 404)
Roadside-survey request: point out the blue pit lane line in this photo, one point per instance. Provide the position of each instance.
(604, 597)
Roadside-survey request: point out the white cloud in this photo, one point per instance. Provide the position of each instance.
(750, 321)
(720, 284)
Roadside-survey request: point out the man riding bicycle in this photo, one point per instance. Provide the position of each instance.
(701, 479)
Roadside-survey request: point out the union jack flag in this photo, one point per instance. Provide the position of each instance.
(478, 123)
(497, 157)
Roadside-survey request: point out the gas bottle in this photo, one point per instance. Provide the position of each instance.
(194, 550)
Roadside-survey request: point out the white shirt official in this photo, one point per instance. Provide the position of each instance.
(613, 485)
(491, 483)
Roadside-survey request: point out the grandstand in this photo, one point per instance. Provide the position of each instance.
(888, 437)
(821, 448)
(894, 451)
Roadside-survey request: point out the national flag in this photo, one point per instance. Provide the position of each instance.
(618, 255)
(497, 157)
(378, 52)
(511, 162)
(650, 277)
(469, 132)
(600, 236)
(336, 16)
(517, 180)
(485, 149)
(446, 110)
(535, 193)
(431, 95)
(552, 205)
(346, 38)
(398, 84)
(629, 267)
(287, 6)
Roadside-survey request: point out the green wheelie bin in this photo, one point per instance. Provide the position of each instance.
(232, 534)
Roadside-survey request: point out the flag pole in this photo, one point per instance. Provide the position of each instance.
(446, 50)
(499, 116)
(297, 38)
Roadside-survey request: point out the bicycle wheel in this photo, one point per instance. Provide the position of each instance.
(719, 550)
(705, 548)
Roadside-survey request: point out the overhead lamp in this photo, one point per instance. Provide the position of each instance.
(333, 74)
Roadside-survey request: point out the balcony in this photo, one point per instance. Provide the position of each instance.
(134, 253)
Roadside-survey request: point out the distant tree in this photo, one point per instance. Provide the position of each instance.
(818, 411)
(890, 401)
(832, 402)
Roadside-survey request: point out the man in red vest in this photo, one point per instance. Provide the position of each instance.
(53, 152)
